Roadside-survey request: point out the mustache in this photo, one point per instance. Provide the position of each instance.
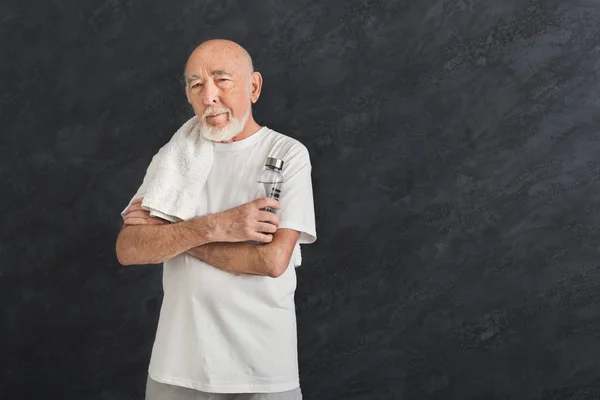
(215, 110)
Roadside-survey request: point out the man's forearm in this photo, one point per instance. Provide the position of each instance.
(153, 244)
(242, 258)
(270, 259)
(237, 258)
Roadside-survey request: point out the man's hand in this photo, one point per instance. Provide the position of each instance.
(136, 215)
(247, 222)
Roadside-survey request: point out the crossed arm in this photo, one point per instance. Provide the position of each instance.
(240, 258)
(217, 239)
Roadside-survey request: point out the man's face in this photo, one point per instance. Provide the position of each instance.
(219, 88)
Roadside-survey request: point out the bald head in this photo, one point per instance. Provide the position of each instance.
(218, 49)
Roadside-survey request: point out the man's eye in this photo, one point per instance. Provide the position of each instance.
(195, 85)
(223, 79)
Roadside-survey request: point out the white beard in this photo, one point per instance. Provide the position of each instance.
(225, 133)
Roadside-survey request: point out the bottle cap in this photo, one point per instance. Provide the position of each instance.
(275, 163)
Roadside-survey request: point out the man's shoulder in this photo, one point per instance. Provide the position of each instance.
(283, 143)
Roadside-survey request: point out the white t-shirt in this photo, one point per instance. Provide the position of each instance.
(225, 333)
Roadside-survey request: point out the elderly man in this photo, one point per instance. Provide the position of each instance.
(227, 327)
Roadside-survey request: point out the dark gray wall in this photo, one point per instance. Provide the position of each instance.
(455, 147)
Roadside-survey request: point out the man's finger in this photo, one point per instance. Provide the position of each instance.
(135, 204)
(137, 214)
(266, 228)
(140, 216)
(267, 202)
(266, 216)
(262, 237)
(144, 221)
(135, 221)
(157, 221)
(133, 208)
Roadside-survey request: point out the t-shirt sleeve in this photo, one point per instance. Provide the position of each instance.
(296, 202)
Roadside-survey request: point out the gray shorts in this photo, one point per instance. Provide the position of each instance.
(162, 391)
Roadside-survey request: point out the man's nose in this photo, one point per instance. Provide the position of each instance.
(211, 93)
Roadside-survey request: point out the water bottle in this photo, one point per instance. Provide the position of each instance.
(269, 181)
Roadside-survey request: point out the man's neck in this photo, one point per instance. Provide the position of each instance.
(250, 129)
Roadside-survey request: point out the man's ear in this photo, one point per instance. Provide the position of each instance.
(256, 86)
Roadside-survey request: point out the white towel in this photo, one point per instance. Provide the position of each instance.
(182, 167)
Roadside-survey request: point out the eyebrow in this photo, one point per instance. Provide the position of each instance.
(217, 72)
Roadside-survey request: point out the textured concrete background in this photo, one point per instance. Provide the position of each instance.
(455, 148)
